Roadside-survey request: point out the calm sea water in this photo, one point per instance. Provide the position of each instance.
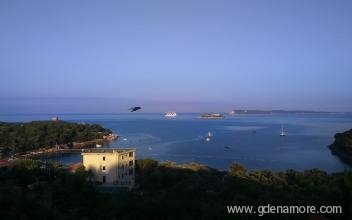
(183, 139)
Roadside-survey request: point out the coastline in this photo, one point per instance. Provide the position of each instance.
(63, 148)
(342, 146)
(341, 154)
(237, 134)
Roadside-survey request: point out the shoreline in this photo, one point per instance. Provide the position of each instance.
(341, 154)
(64, 148)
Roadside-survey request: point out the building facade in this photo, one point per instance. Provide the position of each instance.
(111, 166)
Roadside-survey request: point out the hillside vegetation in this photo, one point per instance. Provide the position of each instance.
(20, 137)
(31, 190)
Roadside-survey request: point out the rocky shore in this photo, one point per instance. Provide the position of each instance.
(342, 146)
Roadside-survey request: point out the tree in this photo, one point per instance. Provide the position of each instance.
(237, 169)
(145, 165)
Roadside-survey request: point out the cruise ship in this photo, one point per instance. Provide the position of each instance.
(170, 114)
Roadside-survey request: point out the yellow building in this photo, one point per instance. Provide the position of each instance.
(111, 166)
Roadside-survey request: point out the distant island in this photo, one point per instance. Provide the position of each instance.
(342, 146)
(23, 137)
(212, 116)
(241, 111)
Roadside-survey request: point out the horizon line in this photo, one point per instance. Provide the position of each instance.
(181, 112)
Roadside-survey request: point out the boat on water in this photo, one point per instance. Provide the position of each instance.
(170, 114)
(212, 116)
(209, 136)
(282, 134)
(232, 113)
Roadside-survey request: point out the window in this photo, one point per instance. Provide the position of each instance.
(103, 167)
(104, 158)
(104, 179)
(131, 172)
(131, 163)
(131, 154)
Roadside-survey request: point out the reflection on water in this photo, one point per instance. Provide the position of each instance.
(252, 140)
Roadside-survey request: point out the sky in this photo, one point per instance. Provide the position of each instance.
(93, 56)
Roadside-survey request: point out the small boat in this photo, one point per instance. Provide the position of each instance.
(170, 114)
(282, 134)
(227, 147)
(232, 113)
(209, 136)
(150, 148)
(125, 139)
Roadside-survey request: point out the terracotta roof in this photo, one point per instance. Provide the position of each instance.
(107, 150)
(74, 167)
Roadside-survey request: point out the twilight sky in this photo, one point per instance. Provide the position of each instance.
(87, 56)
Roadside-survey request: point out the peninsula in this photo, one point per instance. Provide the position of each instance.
(256, 111)
(24, 137)
(342, 146)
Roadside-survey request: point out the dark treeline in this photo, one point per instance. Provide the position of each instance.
(20, 137)
(342, 146)
(30, 190)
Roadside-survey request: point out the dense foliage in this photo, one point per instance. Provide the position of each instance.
(30, 190)
(342, 146)
(19, 137)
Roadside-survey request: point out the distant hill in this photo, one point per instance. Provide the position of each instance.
(342, 146)
(241, 111)
(20, 137)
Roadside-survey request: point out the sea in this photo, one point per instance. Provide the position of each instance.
(251, 140)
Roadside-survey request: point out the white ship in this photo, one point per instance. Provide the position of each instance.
(170, 114)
